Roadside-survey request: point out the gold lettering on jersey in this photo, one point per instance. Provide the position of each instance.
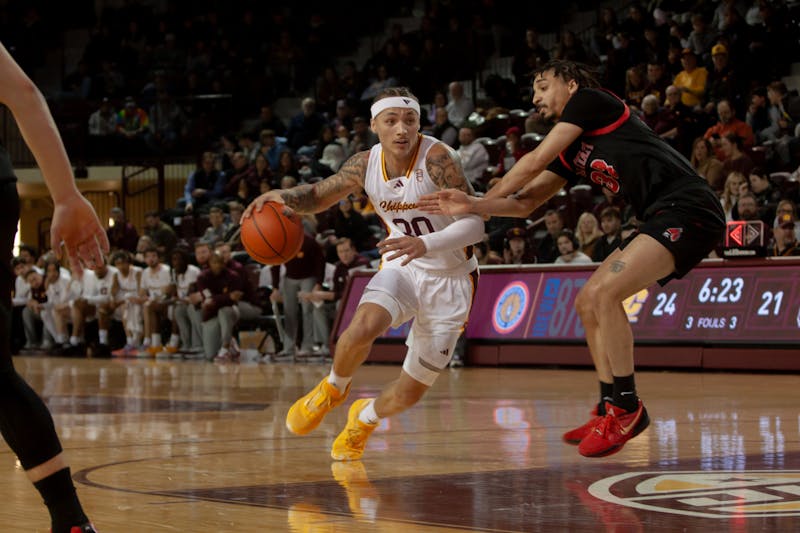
(388, 205)
(581, 158)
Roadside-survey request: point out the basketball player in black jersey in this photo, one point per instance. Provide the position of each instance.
(596, 138)
(25, 422)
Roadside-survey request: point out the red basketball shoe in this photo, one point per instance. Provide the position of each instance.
(575, 436)
(613, 431)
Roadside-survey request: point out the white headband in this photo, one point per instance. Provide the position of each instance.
(394, 101)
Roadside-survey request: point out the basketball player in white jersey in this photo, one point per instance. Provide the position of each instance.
(125, 292)
(427, 270)
(155, 289)
(93, 302)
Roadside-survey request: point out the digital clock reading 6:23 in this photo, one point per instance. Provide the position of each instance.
(726, 290)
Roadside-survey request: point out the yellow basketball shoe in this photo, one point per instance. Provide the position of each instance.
(308, 411)
(349, 445)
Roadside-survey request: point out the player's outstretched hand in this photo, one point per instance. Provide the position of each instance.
(270, 196)
(409, 246)
(75, 224)
(446, 202)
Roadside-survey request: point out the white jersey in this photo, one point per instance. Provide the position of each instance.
(62, 291)
(156, 281)
(395, 201)
(128, 286)
(96, 290)
(183, 281)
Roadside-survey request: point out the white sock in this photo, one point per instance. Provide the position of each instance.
(130, 341)
(174, 340)
(73, 340)
(156, 339)
(368, 414)
(146, 342)
(59, 338)
(340, 382)
(103, 336)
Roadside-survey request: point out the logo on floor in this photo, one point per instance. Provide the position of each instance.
(706, 494)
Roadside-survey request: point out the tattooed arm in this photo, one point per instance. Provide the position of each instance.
(321, 195)
(444, 168)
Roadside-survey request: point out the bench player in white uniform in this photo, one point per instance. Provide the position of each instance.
(93, 302)
(428, 272)
(156, 288)
(127, 303)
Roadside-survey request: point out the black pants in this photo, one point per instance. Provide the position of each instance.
(25, 422)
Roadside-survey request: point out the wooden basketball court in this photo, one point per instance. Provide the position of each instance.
(194, 446)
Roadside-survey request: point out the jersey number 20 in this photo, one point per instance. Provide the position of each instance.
(418, 226)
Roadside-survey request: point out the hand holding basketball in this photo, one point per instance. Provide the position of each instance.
(271, 233)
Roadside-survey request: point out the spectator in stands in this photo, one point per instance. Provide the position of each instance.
(512, 150)
(167, 123)
(202, 252)
(122, 235)
(218, 226)
(333, 155)
(304, 127)
(444, 130)
(242, 171)
(676, 121)
(657, 81)
(204, 185)
(728, 124)
(133, 125)
(343, 117)
(232, 236)
(635, 83)
(516, 249)
(781, 130)
(439, 102)
(570, 48)
(474, 157)
(588, 232)
(485, 255)
(611, 222)
(757, 116)
(569, 250)
(651, 111)
(287, 167)
(691, 81)
(706, 165)
(701, 39)
(267, 121)
(363, 137)
(248, 306)
(602, 42)
(326, 299)
(788, 207)
(272, 147)
(459, 106)
(546, 248)
(734, 158)
(303, 272)
(784, 239)
(103, 122)
(349, 223)
(767, 195)
(747, 207)
(723, 81)
(528, 57)
(735, 184)
(161, 233)
(221, 290)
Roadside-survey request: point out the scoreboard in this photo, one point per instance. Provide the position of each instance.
(744, 302)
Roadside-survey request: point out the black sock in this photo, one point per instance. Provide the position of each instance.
(625, 393)
(61, 500)
(606, 395)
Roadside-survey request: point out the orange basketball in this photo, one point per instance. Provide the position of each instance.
(270, 237)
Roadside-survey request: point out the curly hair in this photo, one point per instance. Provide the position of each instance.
(583, 75)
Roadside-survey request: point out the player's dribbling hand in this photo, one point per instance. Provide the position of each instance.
(446, 202)
(411, 247)
(75, 224)
(270, 196)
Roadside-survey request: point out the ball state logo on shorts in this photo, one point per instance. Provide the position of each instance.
(510, 307)
(673, 234)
